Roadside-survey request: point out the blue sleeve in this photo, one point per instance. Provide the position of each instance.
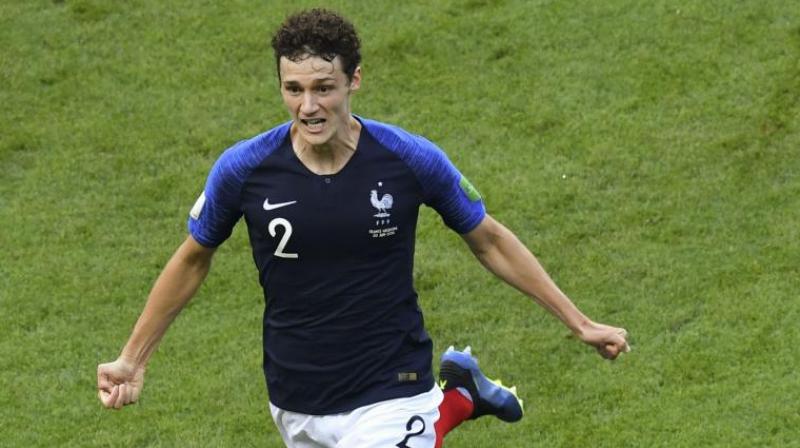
(218, 208)
(445, 189)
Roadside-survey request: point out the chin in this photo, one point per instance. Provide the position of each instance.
(318, 139)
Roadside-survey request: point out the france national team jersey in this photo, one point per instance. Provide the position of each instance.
(335, 253)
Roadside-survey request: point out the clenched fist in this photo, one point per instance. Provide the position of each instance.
(119, 383)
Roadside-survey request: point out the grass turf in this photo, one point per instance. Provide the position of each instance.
(647, 153)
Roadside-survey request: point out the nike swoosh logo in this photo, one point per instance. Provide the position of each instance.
(268, 206)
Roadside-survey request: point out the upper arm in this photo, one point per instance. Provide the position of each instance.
(218, 208)
(445, 189)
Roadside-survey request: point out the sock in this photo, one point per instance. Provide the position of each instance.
(455, 408)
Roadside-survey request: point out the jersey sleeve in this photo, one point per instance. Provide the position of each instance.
(218, 208)
(446, 190)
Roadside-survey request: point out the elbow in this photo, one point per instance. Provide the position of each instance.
(196, 256)
(490, 239)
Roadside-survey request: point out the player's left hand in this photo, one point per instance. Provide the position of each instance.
(119, 383)
(609, 341)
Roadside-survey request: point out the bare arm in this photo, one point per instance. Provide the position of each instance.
(120, 382)
(175, 286)
(499, 250)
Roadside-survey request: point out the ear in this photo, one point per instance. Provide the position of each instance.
(355, 80)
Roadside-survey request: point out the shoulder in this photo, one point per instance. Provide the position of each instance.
(232, 168)
(244, 156)
(426, 160)
(406, 145)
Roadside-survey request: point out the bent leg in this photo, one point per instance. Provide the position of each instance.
(469, 394)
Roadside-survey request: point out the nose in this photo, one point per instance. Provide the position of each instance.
(309, 104)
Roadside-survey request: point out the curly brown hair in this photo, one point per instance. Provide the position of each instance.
(318, 32)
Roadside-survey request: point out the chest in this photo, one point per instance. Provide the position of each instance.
(368, 207)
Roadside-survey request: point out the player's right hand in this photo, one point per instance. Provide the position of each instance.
(119, 383)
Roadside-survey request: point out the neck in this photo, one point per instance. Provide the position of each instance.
(332, 156)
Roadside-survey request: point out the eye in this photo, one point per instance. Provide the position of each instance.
(294, 90)
(324, 89)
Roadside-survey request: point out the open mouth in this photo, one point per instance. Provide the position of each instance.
(314, 124)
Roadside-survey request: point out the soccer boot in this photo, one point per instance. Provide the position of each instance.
(460, 369)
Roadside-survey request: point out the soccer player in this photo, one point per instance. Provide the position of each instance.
(331, 202)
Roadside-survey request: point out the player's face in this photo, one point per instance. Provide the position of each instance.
(317, 94)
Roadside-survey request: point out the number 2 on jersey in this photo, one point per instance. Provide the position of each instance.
(287, 233)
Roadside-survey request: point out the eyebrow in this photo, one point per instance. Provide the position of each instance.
(315, 81)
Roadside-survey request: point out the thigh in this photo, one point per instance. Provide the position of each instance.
(403, 423)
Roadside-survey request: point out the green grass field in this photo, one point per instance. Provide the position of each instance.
(647, 152)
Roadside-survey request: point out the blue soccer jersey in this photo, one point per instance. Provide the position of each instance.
(335, 254)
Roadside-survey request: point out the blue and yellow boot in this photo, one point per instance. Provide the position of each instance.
(460, 370)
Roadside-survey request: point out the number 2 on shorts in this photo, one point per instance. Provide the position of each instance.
(410, 425)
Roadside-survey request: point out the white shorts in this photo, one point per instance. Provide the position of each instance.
(401, 422)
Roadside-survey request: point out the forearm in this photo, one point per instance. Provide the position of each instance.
(173, 289)
(507, 258)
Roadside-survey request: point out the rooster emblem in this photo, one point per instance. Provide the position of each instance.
(381, 204)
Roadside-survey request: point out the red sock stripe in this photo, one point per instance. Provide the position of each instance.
(455, 408)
